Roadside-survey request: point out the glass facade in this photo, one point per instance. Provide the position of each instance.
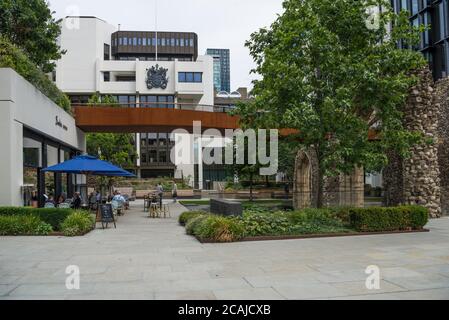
(126, 101)
(435, 41)
(222, 69)
(163, 102)
(155, 149)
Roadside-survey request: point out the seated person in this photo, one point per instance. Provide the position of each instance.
(76, 202)
(50, 202)
(118, 197)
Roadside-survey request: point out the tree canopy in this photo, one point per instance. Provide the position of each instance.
(327, 72)
(30, 25)
(117, 148)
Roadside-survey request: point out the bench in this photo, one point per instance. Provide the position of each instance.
(226, 207)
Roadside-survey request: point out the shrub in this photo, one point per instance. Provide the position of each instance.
(23, 225)
(51, 216)
(389, 219)
(193, 224)
(267, 224)
(13, 57)
(188, 215)
(77, 223)
(220, 229)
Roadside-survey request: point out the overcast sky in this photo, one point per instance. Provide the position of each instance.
(218, 23)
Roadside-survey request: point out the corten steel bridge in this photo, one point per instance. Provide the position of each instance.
(151, 117)
(154, 117)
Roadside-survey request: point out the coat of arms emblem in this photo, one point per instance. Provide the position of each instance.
(157, 77)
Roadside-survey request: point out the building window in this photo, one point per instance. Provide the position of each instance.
(415, 7)
(126, 101)
(106, 76)
(404, 5)
(172, 42)
(153, 101)
(79, 99)
(162, 156)
(143, 140)
(152, 139)
(152, 156)
(120, 41)
(107, 50)
(191, 42)
(181, 42)
(163, 42)
(196, 77)
(125, 41)
(144, 42)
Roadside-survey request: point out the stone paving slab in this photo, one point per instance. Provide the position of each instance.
(154, 259)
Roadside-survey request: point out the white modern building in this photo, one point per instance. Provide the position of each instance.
(35, 133)
(141, 69)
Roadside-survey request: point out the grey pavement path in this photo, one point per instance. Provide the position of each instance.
(154, 259)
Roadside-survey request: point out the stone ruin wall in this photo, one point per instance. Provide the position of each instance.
(343, 190)
(416, 180)
(442, 98)
(421, 179)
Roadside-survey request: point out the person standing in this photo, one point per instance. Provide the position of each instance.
(160, 193)
(175, 192)
(34, 199)
(98, 197)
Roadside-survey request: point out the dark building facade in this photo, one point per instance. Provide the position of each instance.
(222, 69)
(131, 45)
(435, 41)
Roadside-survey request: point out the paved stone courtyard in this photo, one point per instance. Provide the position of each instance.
(153, 259)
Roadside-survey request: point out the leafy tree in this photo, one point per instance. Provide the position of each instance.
(327, 73)
(108, 100)
(30, 25)
(117, 148)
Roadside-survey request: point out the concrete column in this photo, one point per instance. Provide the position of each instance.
(11, 160)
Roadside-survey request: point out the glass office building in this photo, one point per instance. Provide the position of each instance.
(435, 41)
(222, 69)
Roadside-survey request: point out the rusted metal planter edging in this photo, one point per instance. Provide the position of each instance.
(314, 236)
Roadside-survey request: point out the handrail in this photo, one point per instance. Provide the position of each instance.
(175, 105)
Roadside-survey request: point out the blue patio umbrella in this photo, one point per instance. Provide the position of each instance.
(89, 165)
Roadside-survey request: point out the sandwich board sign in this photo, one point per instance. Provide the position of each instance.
(107, 215)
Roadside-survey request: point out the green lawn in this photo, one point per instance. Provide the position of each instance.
(244, 202)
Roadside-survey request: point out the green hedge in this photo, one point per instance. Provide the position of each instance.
(260, 222)
(13, 57)
(23, 225)
(389, 219)
(53, 216)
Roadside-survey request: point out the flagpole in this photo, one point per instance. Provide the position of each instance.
(156, 25)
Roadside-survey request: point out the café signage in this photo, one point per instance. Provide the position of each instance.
(60, 124)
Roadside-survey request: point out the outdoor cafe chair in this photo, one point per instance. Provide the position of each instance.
(154, 210)
(49, 205)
